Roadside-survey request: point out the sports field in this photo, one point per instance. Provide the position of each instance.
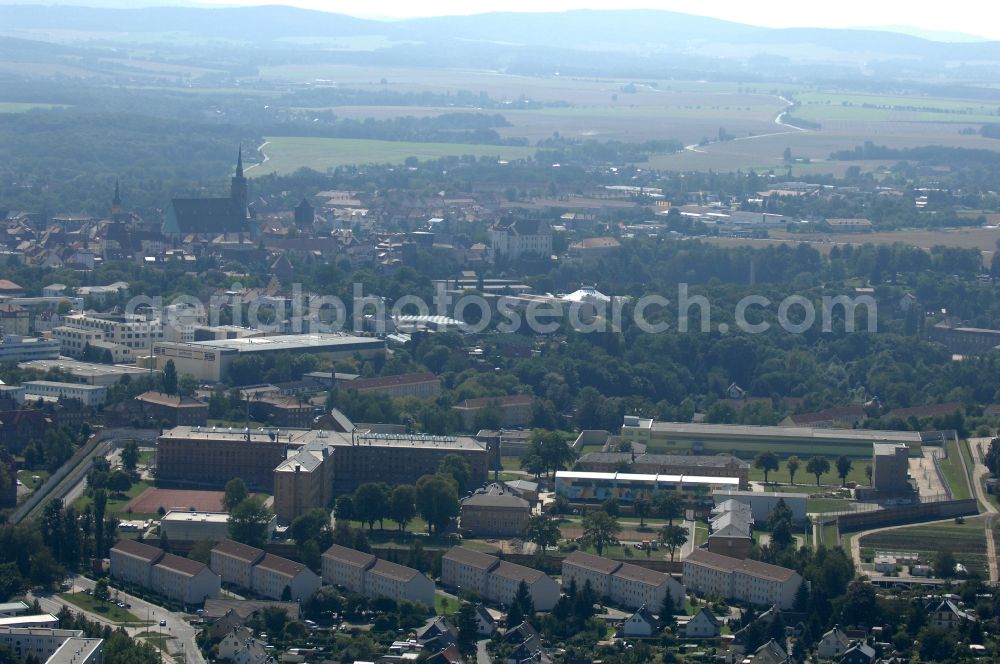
(287, 154)
(153, 499)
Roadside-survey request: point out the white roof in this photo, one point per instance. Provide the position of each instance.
(634, 477)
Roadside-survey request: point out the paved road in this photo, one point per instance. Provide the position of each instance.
(482, 657)
(978, 447)
(183, 641)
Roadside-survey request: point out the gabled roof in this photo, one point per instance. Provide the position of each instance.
(393, 570)
(644, 614)
(204, 215)
(750, 567)
(642, 575)
(281, 566)
(707, 614)
(247, 554)
(477, 559)
(184, 566)
(591, 562)
(517, 573)
(351, 557)
(138, 550)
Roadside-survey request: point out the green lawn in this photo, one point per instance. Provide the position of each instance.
(108, 611)
(27, 478)
(831, 534)
(445, 606)
(953, 469)
(287, 154)
(116, 503)
(827, 505)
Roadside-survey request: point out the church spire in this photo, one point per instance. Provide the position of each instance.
(116, 202)
(239, 163)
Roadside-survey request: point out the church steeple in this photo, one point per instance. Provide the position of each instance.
(116, 202)
(238, 192)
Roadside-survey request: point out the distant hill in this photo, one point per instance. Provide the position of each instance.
(623, 31)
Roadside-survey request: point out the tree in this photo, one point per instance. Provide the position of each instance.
(515, 616)
(235, 493)
(370, 504)
(403, 505)
(119, 482)
(868, 473)
(542, 531)
(187, 385)
(667, 505)
(312, 527)
(101, 591)
(611, 506)
(343, 508)
(248, 522)
(169, 377)
(523, 599)
(458, 469)
(844, 466)
(275, 618)
(130, 455)
(437, 501)
(673, 537)
(600, 530)
(818, 465)
(861, 605)
(944, 564)
(667, 609)
(792, 464)
(766, 461)
(468, 628)
(642, 506)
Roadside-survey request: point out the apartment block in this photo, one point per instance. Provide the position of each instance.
(52, 646)
(744, 580)
(263, 573)
(180, 579)
(623, 584)
(495, 580)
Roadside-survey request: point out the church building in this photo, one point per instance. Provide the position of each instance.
(213, 216)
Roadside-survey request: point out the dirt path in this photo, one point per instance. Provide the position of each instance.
(978, 448)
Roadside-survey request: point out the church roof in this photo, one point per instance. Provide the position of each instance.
(204, 215)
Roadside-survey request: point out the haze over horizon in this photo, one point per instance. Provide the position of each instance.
(963, 20)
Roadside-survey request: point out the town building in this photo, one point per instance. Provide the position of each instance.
(495, 512)
(856, 225)
(512, 411)
(496, 580)
(186, 526)
(91, 396)
(740, 579)
(419, 385)
(209, 361)
(513, 238)
(731, 529)
(592, 488)
(890, 468)
(303, 481)
(846, 417)
(833, 644)
(132, 334)
(263, 573)
(594, 247)
(363, 573)
(15, 348)
(52, 646)
(282, 411)
(623, 584)
(963, 340)
(180, 579)
(14, 319)
(720, 465)
(173, 409)
(90, 373)
(762, 503)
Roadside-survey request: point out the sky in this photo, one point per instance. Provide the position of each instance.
(972, 17)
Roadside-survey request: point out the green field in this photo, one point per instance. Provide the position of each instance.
(287, 154)
(967, 541)
(22, 107)
(116, 503)
(953, 469)
(830, 534)
(825, 106)
(820, 505)
(27, 478)
(106, 610)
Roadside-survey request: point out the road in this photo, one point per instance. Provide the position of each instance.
(183, 641)
(779, 120)
(978, 447)
(856, 545)
(482, 657)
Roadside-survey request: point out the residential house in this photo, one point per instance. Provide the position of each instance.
(704, 625)
(512, 238)
(280, 578)
(234, 561)
(363, 573)
(945, 614)
(485, 624)
(833, 644)
(771, 653)
(346, 567)
(179, 579)
(241, 646)
(642, 624)
(860, 653)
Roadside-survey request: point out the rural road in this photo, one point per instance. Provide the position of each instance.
(778, 120)
(263, 154)
(978, 447)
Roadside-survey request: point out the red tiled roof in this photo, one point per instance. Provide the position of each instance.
(185, 566)
(138, 550)
(470, 557)
(239, 551)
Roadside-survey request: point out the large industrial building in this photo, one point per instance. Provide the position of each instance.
(719, 465)
(592, 488)
(210, 360)
(306, 468)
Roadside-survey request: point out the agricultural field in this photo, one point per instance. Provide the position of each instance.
(984, 239)
(24, 107)
(967, 541)
(287, 154)
(824, 106)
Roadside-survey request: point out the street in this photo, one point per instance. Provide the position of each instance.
(182, 643)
